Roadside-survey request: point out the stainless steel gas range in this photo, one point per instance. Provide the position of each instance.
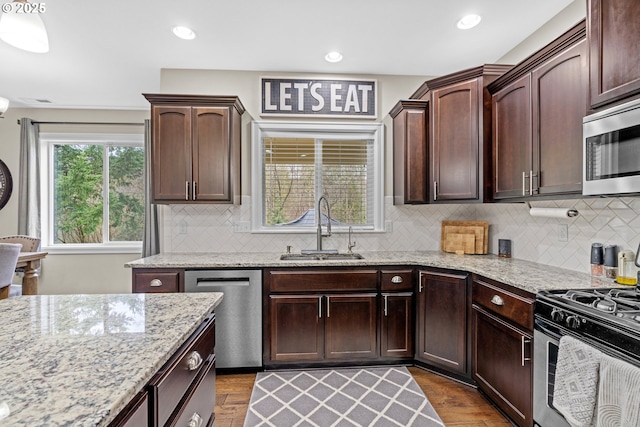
(606, 319)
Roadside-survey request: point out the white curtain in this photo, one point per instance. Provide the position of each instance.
(29, 179)
(150, 242)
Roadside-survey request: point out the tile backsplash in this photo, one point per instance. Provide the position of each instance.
(219, 228)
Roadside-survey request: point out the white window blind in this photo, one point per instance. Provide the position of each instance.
(296, 164)
(299, 170)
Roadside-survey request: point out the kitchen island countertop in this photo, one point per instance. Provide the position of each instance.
(525, 275)
(79, 359)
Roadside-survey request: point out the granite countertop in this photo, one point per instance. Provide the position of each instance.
(526, 275)
(79, 359)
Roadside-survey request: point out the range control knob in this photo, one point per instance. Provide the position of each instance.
(557, 315)
(573, 322)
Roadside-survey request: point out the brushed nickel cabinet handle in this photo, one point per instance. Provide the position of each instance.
(194, 190)
(385, 305)
(524, 341)
(531, 175)
(435, 190)
(328, 305)
(396, 279)
(186, 190)
(155, 283)
(524, 187)
(195, 420)
(497, 300)
(319, 307)
(194, 360)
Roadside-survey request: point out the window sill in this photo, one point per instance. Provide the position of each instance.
(87, 249)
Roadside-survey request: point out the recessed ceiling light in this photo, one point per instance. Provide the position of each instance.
(333, 57)
(184, 32)
(469, 21)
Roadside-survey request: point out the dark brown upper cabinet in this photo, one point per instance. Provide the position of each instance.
(442, 139)
(537, 112)
(410, 125)
(614, 57)
(195, 148)
(460, 135)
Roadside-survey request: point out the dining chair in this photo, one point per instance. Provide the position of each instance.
(29, 244)
(9, 253)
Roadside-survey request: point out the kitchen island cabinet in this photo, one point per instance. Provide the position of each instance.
(442, 321)
(195, 148)
(134, 369)
(538, 108)
(502, 354)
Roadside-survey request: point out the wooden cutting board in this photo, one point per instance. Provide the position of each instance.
(456, 237)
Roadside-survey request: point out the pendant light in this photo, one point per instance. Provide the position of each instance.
(22, 27)
(4, 105)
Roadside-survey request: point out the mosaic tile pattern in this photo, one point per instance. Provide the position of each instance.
(210, 228)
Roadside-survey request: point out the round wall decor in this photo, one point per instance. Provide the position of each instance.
(6, 184)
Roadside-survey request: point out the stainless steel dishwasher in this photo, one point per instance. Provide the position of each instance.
(238, 317)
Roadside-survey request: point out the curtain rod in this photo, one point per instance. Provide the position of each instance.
(85, 123)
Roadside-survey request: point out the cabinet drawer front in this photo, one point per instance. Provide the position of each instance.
(181, 372)
(326, 280)
(400, 280)
(200, 403)
(514, 307)
(157, 281)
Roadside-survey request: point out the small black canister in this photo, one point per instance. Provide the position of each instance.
(597, 259)
(611, 261)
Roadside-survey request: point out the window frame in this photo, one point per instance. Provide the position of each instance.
(324, 130)
(47, 141)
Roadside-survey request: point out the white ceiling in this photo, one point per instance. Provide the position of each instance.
(104, 54)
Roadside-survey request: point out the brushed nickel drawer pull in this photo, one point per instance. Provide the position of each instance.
(497, 300)
(194, 361)
(195, 420)
(156, 283)
(396, 279)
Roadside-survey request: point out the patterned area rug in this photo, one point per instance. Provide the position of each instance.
(378, 396)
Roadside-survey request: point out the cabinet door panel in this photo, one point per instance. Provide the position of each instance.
(297, 328)
(211, 154)
(396, 332)
(454, 142)
(499, 368)
(351, 326)
(171, 153)
(442, 320)
(559, 104)
(614, 60)
(512, 138)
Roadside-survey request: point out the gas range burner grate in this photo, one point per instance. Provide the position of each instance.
(619, 302)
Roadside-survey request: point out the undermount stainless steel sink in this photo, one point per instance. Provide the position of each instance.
(320, 256)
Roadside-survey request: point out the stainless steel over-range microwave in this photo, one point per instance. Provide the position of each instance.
(611, 151)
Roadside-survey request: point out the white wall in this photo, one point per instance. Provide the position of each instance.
(66, 273)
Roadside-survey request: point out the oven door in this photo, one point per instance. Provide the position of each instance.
(545, 355)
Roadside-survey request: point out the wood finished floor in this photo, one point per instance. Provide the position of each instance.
(457, 404)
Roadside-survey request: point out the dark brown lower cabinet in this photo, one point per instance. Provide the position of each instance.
(350, 327)
(502, 366)
(442, 321)
(316, 328)
(396, 326)
(297, 328)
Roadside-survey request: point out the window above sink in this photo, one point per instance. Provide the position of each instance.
(294, 163)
